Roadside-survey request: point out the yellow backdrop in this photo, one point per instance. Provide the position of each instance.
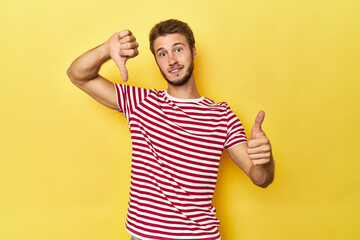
(65, 159)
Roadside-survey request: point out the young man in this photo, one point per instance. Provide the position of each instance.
(177, 135)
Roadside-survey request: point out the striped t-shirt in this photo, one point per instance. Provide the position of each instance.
(176, 148)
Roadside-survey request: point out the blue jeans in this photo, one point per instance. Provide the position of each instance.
(134, 238)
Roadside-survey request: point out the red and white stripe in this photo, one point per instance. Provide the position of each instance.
(177, 144)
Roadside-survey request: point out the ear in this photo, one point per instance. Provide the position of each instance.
(194, 51)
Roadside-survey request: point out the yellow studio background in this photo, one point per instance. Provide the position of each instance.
(65, 159)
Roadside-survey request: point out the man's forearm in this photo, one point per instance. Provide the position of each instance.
(87, 66)
(263, 175)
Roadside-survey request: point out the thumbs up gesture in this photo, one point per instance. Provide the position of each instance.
(122, 47)
(259, 148)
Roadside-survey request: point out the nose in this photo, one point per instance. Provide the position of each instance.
(172, 59)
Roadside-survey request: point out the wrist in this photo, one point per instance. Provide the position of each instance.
(105, 51)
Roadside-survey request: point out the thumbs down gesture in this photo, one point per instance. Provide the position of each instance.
(122, 47)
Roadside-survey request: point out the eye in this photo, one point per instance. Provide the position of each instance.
(178, 50)
(162, 54)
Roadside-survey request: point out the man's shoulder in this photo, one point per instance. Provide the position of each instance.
(135, 89)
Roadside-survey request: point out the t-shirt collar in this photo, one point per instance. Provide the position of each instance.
(183, 99)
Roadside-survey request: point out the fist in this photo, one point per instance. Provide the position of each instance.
(259, 148)
(122, 46)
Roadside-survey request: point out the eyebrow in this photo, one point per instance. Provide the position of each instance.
(175, 44)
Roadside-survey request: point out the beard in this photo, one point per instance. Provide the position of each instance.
(183, 80)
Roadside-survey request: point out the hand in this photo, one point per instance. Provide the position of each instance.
(259, 148)
(123, 46)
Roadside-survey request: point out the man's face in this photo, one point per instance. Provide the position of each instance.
(174, 58)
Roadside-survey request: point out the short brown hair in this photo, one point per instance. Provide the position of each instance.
(169, 27)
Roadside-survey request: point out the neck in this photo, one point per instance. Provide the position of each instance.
(186, 91)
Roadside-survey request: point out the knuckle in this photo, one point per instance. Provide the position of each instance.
(132, 53)
(268, 148)
(124, 33)
(135, 52)
(123, 53)
(256, 162)
(125, 46)
(125, 39)
(264, 140)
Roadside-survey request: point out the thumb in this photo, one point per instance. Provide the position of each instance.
(120, 62)
(256, 129)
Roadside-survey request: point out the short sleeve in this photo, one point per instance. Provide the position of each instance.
(129, 97)
(235, 130)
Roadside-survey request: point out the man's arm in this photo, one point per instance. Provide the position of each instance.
(255, 158)
(84, 71)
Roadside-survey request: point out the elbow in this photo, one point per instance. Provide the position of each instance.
(266, 183)
(68, 73)
(263, 180)
(266, 175)
(71, 76)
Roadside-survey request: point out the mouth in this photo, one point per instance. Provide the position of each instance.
(175, 70)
